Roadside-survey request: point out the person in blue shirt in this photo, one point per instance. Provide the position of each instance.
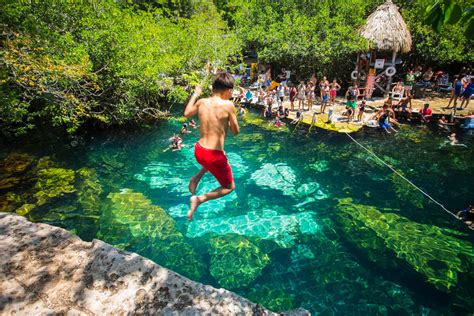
(456, 92)
(466, 95)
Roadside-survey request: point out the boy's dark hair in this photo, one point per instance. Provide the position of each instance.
(222, 81)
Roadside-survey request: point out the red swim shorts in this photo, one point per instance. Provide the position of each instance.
(214, 161)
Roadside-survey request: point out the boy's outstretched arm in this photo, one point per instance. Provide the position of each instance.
(191, 108)
(233, 123)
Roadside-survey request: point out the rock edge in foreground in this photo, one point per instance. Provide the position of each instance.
(47, 270)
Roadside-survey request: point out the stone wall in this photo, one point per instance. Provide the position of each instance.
(47, 270)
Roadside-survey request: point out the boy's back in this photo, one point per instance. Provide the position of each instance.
(215, 116)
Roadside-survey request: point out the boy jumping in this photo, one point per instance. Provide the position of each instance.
(216, 115)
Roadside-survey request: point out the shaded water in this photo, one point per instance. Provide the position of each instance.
(288, 236)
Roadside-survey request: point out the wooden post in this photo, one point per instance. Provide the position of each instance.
(390, 79)
(354, 81)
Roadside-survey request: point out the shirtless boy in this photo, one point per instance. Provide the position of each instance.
(216, 115)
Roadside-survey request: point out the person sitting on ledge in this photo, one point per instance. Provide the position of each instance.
(383, 116)
(403, 108)
(298, 118)
(444, 124)
(278, 122)
(425, 114)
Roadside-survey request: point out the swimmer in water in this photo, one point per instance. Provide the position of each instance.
(192, 123)
(453, 140)
(241, 111)
(184, 129)
(176, 142)
(467, 216)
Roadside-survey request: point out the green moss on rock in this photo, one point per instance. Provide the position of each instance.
(15, 163)
(429, 250)
(9, 202)
(235, 261)
(406, 193)
(257, 120)
(89, 189)
(130, 221)
(52, 183)
(275, 299)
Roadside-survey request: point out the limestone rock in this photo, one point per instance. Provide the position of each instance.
(47, 270)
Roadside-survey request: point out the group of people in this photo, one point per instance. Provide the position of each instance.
(217, 114)
(305, 94)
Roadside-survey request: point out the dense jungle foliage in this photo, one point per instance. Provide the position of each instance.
(67, 63)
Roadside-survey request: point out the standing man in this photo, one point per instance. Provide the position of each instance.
(216, 114)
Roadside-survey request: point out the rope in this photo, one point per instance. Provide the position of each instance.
(402, 176)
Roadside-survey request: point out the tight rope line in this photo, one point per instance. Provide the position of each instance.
(402, 176)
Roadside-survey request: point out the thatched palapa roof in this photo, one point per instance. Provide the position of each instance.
(386, 28)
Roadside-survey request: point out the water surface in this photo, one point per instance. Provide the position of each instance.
(314, 221)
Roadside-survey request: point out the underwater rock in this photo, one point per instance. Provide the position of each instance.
(39, 183)
(130, 221)
(52, 183)
(45, 270)
(416, 135)
(251, 139)
(25, 209)
(319, 166)
(89, 190)
(15, 163)
(276, 176)
(238, 165)
(406, 193)
(274, 298)
(235, 261)
(460, 164)
(160, 175)
(282, 178)
(429, 250)
(265, 224)
(9, 202)
(10, 182)
(45, 163)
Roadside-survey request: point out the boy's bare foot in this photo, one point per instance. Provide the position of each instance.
(193, 205)
(193, 183)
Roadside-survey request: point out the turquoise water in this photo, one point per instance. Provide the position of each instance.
(288, 236)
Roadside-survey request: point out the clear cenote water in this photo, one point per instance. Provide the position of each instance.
(314, 222)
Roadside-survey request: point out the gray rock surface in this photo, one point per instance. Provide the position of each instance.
(45, 270)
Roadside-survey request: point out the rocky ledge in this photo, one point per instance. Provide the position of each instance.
(47, 270)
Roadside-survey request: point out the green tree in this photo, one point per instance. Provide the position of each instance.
(70, 63)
